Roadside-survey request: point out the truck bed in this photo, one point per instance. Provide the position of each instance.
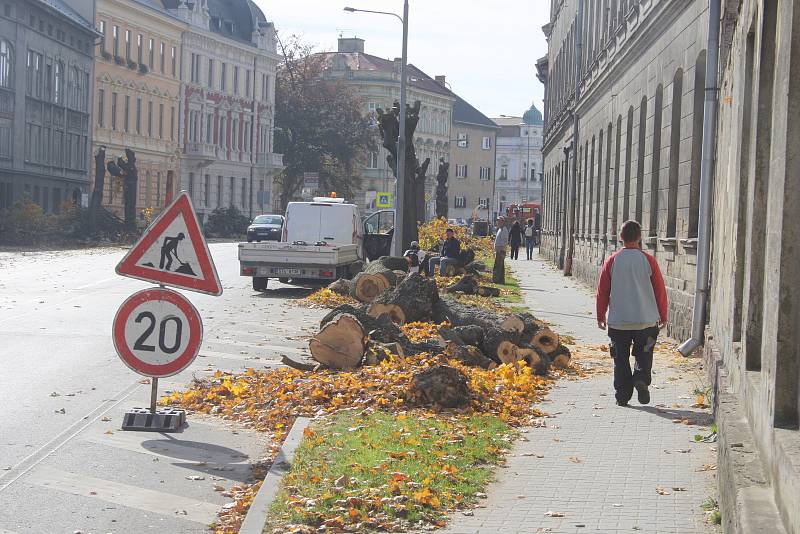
(285, 260)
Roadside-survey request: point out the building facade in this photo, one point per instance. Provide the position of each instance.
(519, 159)
(228, 65)
(377, 83)
(46, 68)
(752, 340)
(472, 163)
(634, 75)
(138, 97)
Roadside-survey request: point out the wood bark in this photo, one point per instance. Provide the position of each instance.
(342, 287)
(441, 385)
(500, 345)
(340, 344)
(535, 359)
(467, 285)
(488, 291)
(367, 287)
(392, 263)
(468, 355)
(546, 340)
(560, 357)
(412, 300)
(379, 269)
(463, 335)
(300, 366)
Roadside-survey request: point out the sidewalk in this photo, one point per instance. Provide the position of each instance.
(597, 464)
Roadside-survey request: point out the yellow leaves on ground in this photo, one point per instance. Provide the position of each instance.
(432, 232)
(325, 298)
(423, 331)
(487, 303)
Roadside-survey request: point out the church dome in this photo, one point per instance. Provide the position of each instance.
(533, 117)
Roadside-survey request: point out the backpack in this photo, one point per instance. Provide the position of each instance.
(529, 231)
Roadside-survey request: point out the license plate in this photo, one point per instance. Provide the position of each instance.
(286, 271)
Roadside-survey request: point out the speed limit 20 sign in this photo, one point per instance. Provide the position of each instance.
(157, 332)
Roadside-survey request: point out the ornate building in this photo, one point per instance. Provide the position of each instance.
(377, 83)
(519, 159)
(46, 68)
(137, 97)
(229, 60)
(633, 74)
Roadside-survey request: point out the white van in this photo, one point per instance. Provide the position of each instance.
(322, 241)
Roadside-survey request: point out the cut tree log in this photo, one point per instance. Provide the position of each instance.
(560, 357)
(453, 270)
(300, 366)
(340, 344)
(458, 314)
(400, 275)
(500, 345)
(531, 327)
(379, 268)
(342, 287)
(442, 385)
(475, 267)
(468, 355)
(513, 323)
(391, 263)
(367, 287)
(412, 300)
(536, 360)
(463, 335)
(488, 291)
(545, 340)
(467, 285)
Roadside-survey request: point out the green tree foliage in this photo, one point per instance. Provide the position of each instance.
(226, 222)
(320, 125)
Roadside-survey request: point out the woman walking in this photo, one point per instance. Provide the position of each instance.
(530, 236)
(515, 239)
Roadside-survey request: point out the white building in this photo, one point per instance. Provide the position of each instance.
(519, 159)
(228, 60)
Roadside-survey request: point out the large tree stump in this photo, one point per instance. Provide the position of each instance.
(560, 357)
(340, 344)
(442, 385)
(536, 360)
(392, 263)
(468, 355)
(463, 335)
(458, 314)
(367, 287)
(500, 345)
(545, 340)
(412, 300)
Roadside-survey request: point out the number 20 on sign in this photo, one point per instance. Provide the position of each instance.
(157, 333)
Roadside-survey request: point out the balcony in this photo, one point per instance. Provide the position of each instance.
(271, 160)
(203, 153)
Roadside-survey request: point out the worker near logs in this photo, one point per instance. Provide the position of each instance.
(500, 244)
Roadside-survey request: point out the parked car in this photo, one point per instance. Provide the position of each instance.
(265, 228)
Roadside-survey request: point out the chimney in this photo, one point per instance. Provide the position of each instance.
(351, 44)
(440, 79)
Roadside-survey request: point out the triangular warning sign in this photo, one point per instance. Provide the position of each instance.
(173, 252)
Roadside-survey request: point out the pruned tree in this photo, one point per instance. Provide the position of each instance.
(125, 169)
(441, 189)
(99, 183)
(415, 172)
(320, 126)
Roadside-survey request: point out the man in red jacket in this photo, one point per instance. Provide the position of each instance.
(632, 290)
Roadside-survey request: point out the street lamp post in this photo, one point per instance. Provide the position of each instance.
(399, 237)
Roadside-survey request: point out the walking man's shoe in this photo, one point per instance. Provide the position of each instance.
(622, 403)
(642, 392)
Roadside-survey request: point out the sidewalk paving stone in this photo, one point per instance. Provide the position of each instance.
(624, 454)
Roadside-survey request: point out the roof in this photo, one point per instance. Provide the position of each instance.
(509, 121)
(358, 61)
(464, 112)
(62, 7)
(238, 19)
(533, 117)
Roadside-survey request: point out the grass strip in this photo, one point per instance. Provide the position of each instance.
(359, 471)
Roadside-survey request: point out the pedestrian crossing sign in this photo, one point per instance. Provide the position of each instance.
(384, 200)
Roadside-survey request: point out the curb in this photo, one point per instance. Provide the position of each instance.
(256, 516)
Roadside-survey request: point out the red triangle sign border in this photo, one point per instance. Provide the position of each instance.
(209, 280)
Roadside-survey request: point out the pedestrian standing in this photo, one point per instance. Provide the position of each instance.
(530, 238)
(500, 244)
(631, 289)
(515, 239)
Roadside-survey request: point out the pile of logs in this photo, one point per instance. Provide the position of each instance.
(377, 277)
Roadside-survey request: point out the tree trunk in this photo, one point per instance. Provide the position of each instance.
(500, 345)
(342, 287)
(560, 357)
(441, 385)
(487, 291)
(463, 335)
(340, 344)
(392, 263)
(458, 314)
(467, 285)
(99, 184)
(468, 355)
(546, 340)
(535, 359)
(412, 300)
(380, 269)
(367, 287)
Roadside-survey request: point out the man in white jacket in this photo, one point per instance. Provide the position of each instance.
(500, 244)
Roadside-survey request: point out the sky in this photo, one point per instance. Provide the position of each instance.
(486, 49)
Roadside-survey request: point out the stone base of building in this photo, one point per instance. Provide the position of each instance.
(746, 497)
(587, 262)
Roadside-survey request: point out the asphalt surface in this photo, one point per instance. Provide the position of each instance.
(65, 465)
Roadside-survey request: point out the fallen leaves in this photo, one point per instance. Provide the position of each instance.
(422, 331)
(551, 513)
(325, 298)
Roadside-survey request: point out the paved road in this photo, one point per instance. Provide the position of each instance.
(76, 471)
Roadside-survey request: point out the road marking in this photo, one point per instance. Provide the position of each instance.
(36, 457)
(97, 283)
(123, 494)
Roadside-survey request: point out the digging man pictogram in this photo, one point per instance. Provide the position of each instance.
(169, 250)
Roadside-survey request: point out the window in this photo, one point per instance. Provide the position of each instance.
(35, 74)
(161, 121)
(463, 140)
(58, 83)
(113, 111)
(524, 174)
(265, 87)
(483, 203)
(115, 38)
(162, 55)
(6, 64)
(503, 172)
(486, 143)
(236, 80)
(674, 154)
(223, 141)
(191, 186)
(210, 73)
(102, 30)
(219, 191)
(232, 191)
(209, 128)
(126, 111)
(173, 54)
(128, 45)
(140, 50)
(207, 191)
(244, 191)
(247, 84)
(461, 171)
(101, 106)
(151, 51)
(139, 116)
(150, 119)
(486, 173)
(223, 77)
(697, 143)
(372, 160)
(172, 123)
(235, 135)
(460, 202)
